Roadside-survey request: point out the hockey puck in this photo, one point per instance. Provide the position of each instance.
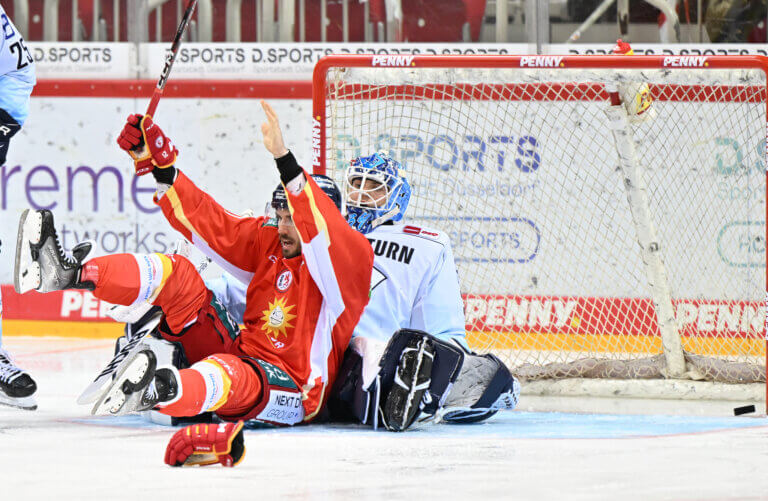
(738, 411)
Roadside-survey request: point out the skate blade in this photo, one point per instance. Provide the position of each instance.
(115, 401)
(26, 403)
(26, 272)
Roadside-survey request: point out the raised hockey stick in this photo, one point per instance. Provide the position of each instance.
(171, 57)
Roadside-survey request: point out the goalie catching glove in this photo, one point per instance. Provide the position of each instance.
(206, 444)
(147, 144)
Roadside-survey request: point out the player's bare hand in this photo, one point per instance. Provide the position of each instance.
(273, 137)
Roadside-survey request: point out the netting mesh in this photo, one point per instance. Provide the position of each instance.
(520, 168)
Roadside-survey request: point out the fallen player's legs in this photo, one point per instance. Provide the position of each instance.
(193, 317)
(234, 387)
(237, 388)
(221, 382)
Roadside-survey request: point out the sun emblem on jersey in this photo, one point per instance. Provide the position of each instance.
(277, 319)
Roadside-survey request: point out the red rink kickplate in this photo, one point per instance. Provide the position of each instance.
(72, 313)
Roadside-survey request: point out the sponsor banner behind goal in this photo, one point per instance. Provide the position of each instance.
(610, 325)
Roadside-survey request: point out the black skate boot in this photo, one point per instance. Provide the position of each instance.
(17, 388)
(138, 386)
(412, 380)
(163, 388)
(40, 261)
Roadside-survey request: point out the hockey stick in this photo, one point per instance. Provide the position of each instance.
(170, 58)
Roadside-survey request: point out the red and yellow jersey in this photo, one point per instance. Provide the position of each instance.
(300, 312)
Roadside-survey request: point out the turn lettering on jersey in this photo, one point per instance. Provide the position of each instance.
(392, 250)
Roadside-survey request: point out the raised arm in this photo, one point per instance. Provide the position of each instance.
(339, 258)
(231, 240)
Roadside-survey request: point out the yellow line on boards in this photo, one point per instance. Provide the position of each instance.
(94, 330)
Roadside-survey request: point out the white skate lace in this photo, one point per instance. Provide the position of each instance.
(8, 371)
(151, 394)
(66, 256)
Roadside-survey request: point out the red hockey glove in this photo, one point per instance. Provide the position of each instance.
(206, 444)
(147, 144)
(623, 48)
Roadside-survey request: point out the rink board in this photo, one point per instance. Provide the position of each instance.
(493, 322)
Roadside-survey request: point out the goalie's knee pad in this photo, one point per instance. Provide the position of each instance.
(447, 362)
(484, 387)
(368, 374)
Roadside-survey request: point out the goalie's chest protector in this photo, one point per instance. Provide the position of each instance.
(408, 262)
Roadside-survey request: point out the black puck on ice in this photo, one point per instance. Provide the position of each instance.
(738, 411)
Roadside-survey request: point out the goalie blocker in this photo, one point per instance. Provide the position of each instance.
(419, 373)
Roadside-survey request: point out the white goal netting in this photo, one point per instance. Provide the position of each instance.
(587, 246)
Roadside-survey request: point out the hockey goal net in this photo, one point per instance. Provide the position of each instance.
(593, 242)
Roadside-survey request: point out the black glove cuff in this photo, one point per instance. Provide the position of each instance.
(8, 126)
(165, 176)
(288, 167)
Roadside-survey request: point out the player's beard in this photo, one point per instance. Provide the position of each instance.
(290, 246)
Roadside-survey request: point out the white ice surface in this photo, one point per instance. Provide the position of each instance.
(59, 452)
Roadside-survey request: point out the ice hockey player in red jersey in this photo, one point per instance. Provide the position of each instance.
(309, 277)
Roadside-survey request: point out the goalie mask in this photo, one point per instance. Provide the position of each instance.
(280, 201)
(375, 191)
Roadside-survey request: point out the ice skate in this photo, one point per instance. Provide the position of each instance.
(138, 386)
(412, 380)
(41, 264)
(17, 388)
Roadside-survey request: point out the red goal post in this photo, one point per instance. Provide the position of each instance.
(504, 121)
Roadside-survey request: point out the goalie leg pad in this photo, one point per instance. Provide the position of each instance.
(411, 382)
(483, 387)
(445, 368)
(368, 371)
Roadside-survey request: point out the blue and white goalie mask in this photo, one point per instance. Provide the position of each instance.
(375, 191)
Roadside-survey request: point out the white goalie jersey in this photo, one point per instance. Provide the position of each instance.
(414, 285)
